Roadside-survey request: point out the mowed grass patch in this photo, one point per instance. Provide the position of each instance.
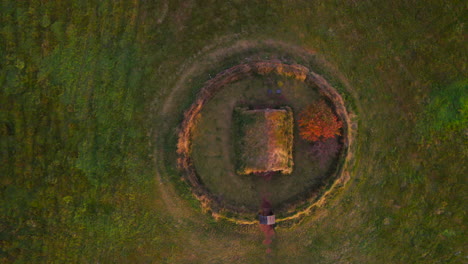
(76, 177)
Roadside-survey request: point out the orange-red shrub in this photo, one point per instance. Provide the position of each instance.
(318, 122)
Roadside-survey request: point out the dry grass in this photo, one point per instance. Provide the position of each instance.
(266, 143)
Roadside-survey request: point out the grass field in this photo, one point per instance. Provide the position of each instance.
(92, 93)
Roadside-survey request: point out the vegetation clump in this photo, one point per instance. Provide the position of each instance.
(318, 122)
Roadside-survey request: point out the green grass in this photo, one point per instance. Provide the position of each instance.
(446, 112)
(83, 84)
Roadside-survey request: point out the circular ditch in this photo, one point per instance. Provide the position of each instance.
(205, 144)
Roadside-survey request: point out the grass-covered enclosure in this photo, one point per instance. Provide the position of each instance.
(226, 134)
(92, 94)
(265, 140)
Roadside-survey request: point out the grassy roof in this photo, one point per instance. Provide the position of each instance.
(264, 140)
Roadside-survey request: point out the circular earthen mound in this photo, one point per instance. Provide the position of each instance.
(294, 208)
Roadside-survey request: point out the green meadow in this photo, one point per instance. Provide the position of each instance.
(87, 142)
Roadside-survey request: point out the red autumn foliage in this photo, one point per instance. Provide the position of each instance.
(318, 122)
